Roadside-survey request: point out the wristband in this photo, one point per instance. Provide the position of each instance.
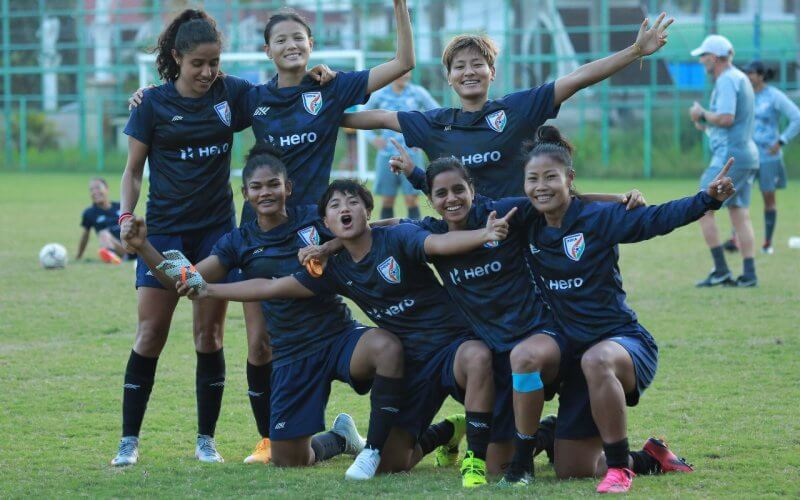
(123, 216)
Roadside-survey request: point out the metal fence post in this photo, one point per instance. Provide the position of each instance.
(9, 146)
(101, 157)
(23, 134)
(647, 149)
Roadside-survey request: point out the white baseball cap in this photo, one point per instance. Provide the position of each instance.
(714, 44)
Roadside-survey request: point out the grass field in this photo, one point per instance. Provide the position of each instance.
(725, 396)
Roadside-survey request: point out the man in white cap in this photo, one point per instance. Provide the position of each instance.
(729, 123)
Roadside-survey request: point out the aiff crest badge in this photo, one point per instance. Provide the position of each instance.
(390, 271)
(497, 120)
(224, 112)
(312, 101)
(574, 245)
(309, 235)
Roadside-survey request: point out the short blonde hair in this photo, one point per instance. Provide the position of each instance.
(480, 43)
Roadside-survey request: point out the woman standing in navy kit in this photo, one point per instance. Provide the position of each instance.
(486, 134)
(574, 252)
(184, 129)
(302, 117)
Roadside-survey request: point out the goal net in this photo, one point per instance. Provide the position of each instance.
(256, 68)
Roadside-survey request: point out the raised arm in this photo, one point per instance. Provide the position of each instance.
(403, 62)
(251, 290)
(458, 242)
(647, 42)
(371, 120)
(648, 222)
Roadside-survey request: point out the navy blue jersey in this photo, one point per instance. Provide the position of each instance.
(577, 264)
(487, 141)
(190, 143)
(297, 327)
(303, 121)
(394, 286)
(100, 218)
(492, 285)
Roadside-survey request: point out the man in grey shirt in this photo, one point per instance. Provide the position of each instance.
(729, 123)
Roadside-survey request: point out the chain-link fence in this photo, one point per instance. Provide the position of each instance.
(68, 66)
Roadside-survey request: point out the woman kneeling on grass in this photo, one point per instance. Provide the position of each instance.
(574, 251)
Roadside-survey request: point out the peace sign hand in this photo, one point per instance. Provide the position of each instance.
(497, 229)
(652, 39)
(402, 163)
(722, 188)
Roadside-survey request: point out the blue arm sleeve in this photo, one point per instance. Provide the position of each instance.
(536, 104)
(141, 123)
(351, 87)
(726, 96)
(411, 239)
(226, 249)
(318, 286)
(418, 180)
(790, 110)
(415, 127)
(629, 226)
(86, 221)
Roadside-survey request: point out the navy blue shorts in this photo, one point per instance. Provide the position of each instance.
(428, 384)
(195, 245)
(575, 419)
(300, 390)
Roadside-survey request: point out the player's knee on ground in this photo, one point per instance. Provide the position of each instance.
(291, 453)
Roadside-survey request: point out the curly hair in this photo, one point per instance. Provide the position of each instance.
(190, 29)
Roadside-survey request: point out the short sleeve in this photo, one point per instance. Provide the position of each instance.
(411, 239)
(725, 96)
(141, 123)
(416, 128)
(430, 224)
(324, 285)
(351, 87)
(86, 219)
(522, 204)
(236, 87)
(536, 104)
(227, 250)
(243, 108)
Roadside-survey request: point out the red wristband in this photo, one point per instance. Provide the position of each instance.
(123, 216)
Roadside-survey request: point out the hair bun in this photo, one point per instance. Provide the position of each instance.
(548, 134)
(265, 147)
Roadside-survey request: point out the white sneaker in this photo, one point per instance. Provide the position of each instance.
(128, 453)
(345, 427)
(365, 465)
(206, 450)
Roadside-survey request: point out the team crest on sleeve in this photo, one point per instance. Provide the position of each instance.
(497, 120)
(312, 101)
(574, 245)
(224, 112)
(390, 271)
(309, 235)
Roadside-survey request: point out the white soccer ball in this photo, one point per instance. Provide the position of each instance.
(53, 256)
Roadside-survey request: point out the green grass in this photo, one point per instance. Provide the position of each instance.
(725, 395)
